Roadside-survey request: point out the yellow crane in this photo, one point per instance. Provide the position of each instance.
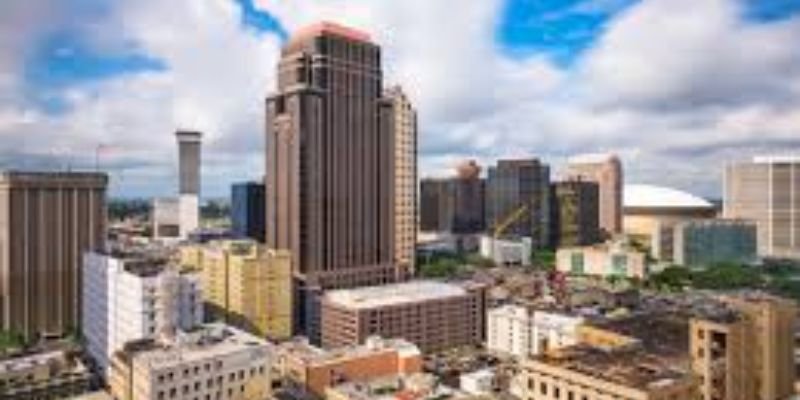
(500, 227)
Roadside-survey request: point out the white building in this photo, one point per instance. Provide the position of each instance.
(478, 383)
(518, 331)
(507, 252)
(214, 361)
(128, 298)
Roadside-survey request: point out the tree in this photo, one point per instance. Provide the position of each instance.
(673, 278)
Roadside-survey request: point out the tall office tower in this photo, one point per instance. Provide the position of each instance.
(744, 349)
(47, 221)
(330, 157)
(767, 190)
(247, 210)
(435, 205)
(189, 180)
(575, 206)
(606, 171)
(131, 296)
(520, 188)
(405, 180)
(469, 193)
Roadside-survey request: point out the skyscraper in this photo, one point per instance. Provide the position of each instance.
(454, 204)
(574, 213)
(247, 210)
(330, 157)
(435, 205)
(606, 171)
(189, 176)
(405, 179)
(47, 222)
(767, 190)
(513, 184)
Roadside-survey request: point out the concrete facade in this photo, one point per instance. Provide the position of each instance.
(405, 180)
(434, 316)
(54, 374)
(767, 190)
(129, 297)
(47, 221)
(522, 332)
(611, 259)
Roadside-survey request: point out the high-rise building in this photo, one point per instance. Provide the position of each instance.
(247, 210)
(189, 177)
(405, 180)
(745, 350)
(454, 204)
(330, 148)
(213, 361)
(575, 206)
(516, 186)
(433, 315)
(247, 286)
(47, 221)
(706, 242)
(130, 296)
(767, 190)
(606, 171)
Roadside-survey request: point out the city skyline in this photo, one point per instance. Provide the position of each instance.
(502, 79)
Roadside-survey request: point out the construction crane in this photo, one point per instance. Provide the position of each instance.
(505, 223)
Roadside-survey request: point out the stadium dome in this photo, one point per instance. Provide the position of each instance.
(659, 197)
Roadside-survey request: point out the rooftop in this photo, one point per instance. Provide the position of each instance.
(394, 294)
(630, 368)
(313, 355)
(329, 28)
(777, 159)
(651, 196)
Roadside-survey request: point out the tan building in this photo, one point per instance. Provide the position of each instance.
(606, 171)
(51, 375)
(406, 387)
(215, 362)
(744, 350)
(608, 259)
(767, 190)
(589, 373)
(245, 285)
(433, 315)
(314, 370)
(47, 221)
(405, 180)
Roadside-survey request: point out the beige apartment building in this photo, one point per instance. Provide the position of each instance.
(608, 259)
(245, 285)
(313, 370)
(744, 350)
(433, 315)
(606, 171)
(215, 362)
(47, 221)
(405, 180)
(767, 190)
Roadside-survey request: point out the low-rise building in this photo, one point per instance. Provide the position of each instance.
(213, 362)
(48, 375)
(313, 370)
(479, 383)
(414, 387)
(131, 296)
(610, 259)
(507, 251)
(433, 315)
(246, 285)
(522, 332)
(712, 241)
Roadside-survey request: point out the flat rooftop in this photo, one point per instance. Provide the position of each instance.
(394, 294)
(313, 355)
(661, 334)
(632, 369)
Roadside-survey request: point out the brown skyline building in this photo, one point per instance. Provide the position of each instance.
(454, 204)
(575, 207)
(330, 164)
(47, 221)
(606, 171)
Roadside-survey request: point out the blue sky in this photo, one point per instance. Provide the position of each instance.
(554, 77)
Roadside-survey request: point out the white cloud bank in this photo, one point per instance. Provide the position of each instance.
(672, 85)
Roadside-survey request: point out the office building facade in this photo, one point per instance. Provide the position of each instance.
(405, 180)
(247, 210)
(767, 191)
(432, 315)
(132, 297)
(575, 205)
(516, 184)
(713, 241)
(606, 171)
(435, 205)
(330, 148)
(47, 221)
(455, 204)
